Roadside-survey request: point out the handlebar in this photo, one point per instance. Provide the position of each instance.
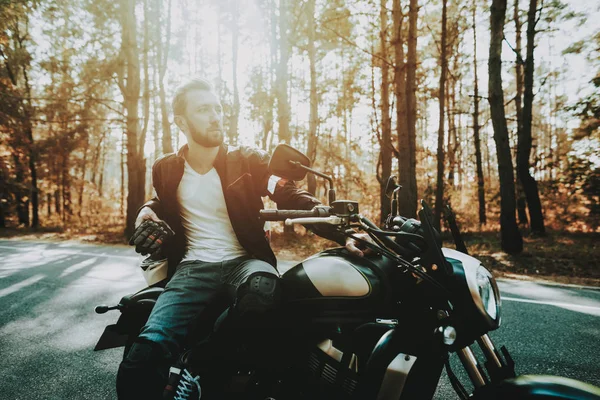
(282, 215)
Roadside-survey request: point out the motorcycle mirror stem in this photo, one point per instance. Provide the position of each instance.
(395, 206)
(331, 192)
(391, 191)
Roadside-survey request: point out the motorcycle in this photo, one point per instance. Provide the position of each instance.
(379, 327)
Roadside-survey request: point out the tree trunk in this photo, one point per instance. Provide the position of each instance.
(439, 191)
(20, 196)
(235, 34)
(403, 155)
(102, 168)
(122, 166)
(162, 56)
(530, 186)
(156, 125)
(4, 191)
(511, 240)
(269, 133)
(281, 90)
(462, 138)
(407, 198)
(314, 106)
(95, 160)
(57, 206)
(35, 223)
(386, 122)
(450, 114)
(136, 164)
(480, 180)
(283, 107)
(521, 200)
(146, 94)
(66, 187)
(83, 171)
(220, 89)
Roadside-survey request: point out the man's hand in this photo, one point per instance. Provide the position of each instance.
(357, 248)
(146, 213)
(151, 232)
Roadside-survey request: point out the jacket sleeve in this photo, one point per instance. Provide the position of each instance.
(154, 203)
(287, 196)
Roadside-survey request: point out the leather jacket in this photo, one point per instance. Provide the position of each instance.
(244, 177)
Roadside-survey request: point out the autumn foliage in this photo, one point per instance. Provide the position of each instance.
(366, 89)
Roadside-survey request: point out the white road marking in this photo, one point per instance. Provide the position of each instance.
(83, 253)
(552, 303)
(20, 285)
(138, 258)
(78, 266)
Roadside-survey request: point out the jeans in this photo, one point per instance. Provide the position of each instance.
(194, 288)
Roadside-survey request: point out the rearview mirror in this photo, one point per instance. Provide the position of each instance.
(284, 163)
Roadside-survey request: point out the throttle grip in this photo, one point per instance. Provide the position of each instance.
(282, 215)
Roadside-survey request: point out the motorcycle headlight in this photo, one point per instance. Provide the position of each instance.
(488, 292)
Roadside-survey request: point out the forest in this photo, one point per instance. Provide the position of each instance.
(492, 106)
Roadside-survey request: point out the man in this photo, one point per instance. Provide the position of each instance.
(210, 195)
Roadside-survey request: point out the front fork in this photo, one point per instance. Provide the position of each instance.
(497, 367)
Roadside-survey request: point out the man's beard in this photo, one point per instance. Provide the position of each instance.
(212, 137)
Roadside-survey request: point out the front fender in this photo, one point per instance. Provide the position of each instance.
(538, 387)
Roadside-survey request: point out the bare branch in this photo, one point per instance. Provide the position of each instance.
(62, 121)
(539, 12)
(520, 60)
(542, 84)
(345, 39)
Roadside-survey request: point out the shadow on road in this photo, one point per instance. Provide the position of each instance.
(47, 325)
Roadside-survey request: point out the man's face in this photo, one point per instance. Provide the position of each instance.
(203, 118)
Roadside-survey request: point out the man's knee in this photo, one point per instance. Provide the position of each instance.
(143, 372)
(260, 293)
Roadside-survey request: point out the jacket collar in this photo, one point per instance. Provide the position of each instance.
(219, 163)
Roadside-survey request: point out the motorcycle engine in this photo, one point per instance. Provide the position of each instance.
(332, 373)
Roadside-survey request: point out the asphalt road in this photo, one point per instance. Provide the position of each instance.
(48, 329)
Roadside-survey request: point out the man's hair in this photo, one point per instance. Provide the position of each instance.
(180, 100)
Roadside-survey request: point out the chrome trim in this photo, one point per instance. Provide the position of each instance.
(395, 377)
(486, 345)
(353, 363)
(327, 347)
(449, 335)
(470, 363)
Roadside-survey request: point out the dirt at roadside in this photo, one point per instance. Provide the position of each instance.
(572, 258)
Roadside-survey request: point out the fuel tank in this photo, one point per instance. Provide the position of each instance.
(335, 283)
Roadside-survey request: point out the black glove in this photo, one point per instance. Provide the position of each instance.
(150, 235)
(412, 246)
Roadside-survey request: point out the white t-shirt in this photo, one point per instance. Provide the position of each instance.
(205, 218)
